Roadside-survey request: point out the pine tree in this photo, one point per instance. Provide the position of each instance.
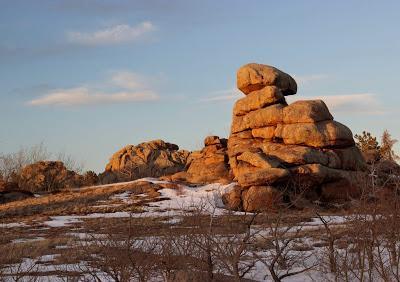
(366, 142)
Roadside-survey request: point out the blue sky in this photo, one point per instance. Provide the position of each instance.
(88, 77)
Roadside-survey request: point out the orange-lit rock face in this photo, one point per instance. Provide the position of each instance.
(274, 146)
(252, 77)
(150, 159)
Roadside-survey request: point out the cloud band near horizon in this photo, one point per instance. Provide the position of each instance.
(130, 87)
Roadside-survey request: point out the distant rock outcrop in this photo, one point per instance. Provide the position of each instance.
(210, 165)
(150, 159)
(47, 176)
(274, 147)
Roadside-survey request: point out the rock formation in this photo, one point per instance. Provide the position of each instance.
(151, 159)
(47, 176)
(209, 165)
(274, 147)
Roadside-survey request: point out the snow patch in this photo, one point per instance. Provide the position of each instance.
(12, 225)
(207, 199)
(64, 220)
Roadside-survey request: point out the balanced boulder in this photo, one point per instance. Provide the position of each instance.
(254, 76)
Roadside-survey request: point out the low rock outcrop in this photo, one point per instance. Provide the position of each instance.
(150, 159)
(275, 147)
(47, 176)
(10, 196)
(209, 165)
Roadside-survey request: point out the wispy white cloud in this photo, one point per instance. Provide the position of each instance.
(85, 96)
(222, 95)
(128, 80)
(304, 80)
(359, 103)
(112, 35)
(129, 88)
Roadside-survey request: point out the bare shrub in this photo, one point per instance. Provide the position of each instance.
(233, 250)
(118, 256)
(367, 247)
(12, 163)
(277, 249)
(330, 251)
(386, 150)
(18, 263)
(70, 162)
(90, 178)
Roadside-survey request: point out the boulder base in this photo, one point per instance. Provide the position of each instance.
(233, 198)
(261, 198)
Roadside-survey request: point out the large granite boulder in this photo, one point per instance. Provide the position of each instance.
(320, 134)
(306, 111)
(276, 147)
(150, 159)
(264, 97)
(48, 176)
(268, 176)
(268, 116)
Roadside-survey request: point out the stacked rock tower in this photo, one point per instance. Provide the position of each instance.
(275, 148)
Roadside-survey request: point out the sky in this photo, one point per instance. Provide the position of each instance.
(89, 77)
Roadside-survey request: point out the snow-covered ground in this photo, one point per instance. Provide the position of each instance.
(173, 206)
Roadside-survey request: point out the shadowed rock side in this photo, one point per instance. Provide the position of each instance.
(17, 195)
(210, 165)
(151, 159)
(275, 148)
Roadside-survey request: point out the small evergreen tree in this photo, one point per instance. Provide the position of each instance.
(366, 142)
